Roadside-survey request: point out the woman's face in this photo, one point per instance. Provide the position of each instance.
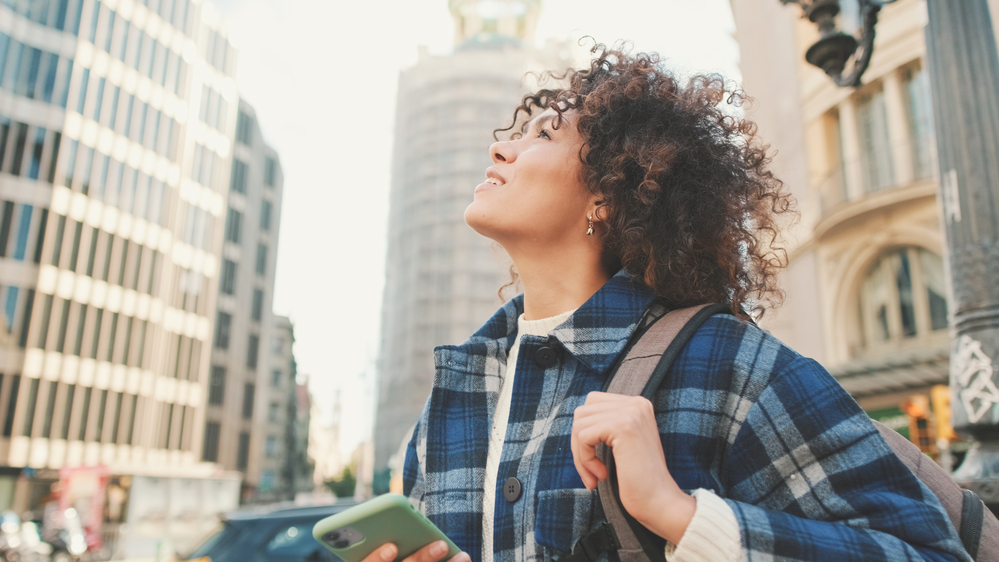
(533, 193)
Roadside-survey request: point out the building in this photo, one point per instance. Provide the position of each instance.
(113, 190)
(867, 291)
(273, 436)
(442, 278)
(324, 446)
(243, 383)
(299, 468)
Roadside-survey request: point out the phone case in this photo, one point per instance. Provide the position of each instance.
(389, 518)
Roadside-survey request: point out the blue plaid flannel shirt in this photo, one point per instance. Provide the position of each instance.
(806, 473)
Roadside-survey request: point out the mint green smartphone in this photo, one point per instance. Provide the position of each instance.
(357, 532)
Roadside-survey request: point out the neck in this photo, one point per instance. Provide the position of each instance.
(557, 282)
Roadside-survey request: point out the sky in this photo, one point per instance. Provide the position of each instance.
(321, 75)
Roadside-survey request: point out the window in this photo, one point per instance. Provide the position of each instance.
(49, 410)
(81, 322)
(243, 454)
(266, 480)
(43, 330)
(5, 224)
(257, 311)
(20, 138)
(63, 326)
(237, 181)
(8, 422)
(29, 416)
(227, 281)
(276, 377)
(266, 208)
(10, 308)
(43, 221)
(96, 338)
(84, 82)
(244, 128)
(21, 237)
(248, 389)
(270, 172)
(261, 265)
(216, 385)
(875, 146)
(232, 225)
(253, 351)
(902, 297)
(29, 304)
(270, 446)
(67, 414)
(273, 412)
(223, 328)
(57, 245)
(210, 450)
(85, 412)
(920, 116)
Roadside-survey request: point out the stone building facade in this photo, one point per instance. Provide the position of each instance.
(242, 384)
(866, 286)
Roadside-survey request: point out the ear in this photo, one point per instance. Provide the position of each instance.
(599, 210)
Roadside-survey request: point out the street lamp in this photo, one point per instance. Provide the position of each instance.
(835, 48)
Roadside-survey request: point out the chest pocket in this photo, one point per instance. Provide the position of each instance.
(563, 517)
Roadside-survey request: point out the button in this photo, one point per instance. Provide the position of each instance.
(512, 489)
(545, 357)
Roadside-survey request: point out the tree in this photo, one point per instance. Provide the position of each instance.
(343, 485)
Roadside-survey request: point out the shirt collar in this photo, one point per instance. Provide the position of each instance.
(596, 333)
(600, 329)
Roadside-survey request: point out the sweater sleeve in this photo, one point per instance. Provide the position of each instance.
(711, 536)
(412, 472)
(809, 477)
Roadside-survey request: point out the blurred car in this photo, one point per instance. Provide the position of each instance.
(278, 533)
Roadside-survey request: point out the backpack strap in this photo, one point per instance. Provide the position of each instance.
(972, 518)
(640, 373)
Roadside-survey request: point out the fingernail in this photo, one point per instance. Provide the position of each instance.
(438, 549)
(388, 553)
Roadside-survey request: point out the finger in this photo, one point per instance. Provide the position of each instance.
(589, 480)
(385, 553)
(461, 557)
(588, 459)
(430, 553)
(605, 397)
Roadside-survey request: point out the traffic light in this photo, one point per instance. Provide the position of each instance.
(940, 399)
(917, 407)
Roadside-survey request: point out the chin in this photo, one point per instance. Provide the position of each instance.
(479, 221)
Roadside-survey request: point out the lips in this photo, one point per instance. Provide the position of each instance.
(494, 178)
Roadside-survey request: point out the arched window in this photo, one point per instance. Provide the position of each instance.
(901, 299)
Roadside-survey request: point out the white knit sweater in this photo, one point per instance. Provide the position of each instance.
(711, 536)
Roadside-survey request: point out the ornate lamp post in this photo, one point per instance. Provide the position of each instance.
(964, 77)
(834, 48)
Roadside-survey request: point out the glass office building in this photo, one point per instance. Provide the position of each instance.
(117, 120)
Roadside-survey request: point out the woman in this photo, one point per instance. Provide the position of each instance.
(623, 188)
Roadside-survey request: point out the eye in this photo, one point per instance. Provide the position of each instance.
(543, 134)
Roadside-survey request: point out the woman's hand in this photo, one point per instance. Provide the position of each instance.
(647, 490)
(430, 553)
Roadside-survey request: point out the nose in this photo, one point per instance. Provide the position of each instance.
(502, 151)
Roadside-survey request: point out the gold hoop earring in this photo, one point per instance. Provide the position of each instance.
(589, 231)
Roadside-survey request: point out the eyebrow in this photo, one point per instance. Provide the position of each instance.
(543, 120)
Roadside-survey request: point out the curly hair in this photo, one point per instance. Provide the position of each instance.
(692, 207)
